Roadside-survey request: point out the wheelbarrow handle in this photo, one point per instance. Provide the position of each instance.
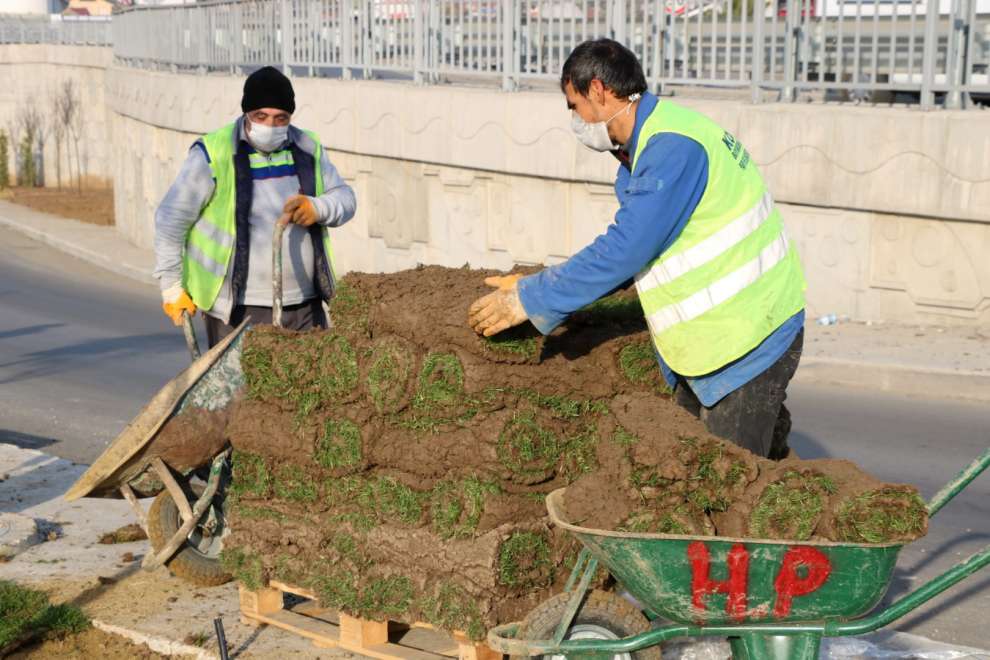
(280, 225)
(190, 333)
(954, 487)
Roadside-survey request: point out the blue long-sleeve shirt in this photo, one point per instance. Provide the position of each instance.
(654, 205)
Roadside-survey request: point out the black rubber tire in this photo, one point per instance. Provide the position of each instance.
(600, 608)
(187, 563)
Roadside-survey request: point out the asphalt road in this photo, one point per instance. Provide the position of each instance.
(81, 351)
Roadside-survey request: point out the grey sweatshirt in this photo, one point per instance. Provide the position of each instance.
(273, 185)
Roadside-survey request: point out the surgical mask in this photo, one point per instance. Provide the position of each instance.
(267, 138)
(594, 135)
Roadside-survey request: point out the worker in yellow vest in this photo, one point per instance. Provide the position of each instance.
(213, 229)
(720, 284)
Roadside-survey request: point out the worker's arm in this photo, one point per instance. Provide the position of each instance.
(177, 212)
(337, 204)
(656, 203)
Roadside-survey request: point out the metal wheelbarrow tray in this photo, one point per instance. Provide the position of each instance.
(137, 461)
(133, 461)
(773, 599)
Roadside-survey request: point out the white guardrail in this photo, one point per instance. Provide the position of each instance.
(933, 52)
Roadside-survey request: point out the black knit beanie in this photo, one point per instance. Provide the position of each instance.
(268, 88)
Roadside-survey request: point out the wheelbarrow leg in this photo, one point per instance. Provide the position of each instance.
(585, 566)
(128, 494)
(755, 646)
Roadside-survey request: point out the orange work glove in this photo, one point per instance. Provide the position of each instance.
(499, 310)
(300, 210)
(175, 300)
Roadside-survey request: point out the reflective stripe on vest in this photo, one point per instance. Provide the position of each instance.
(731, 278)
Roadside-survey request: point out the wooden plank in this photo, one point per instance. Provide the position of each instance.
(389, 651)
(289, 589)
(369, 638)
(257, 603)
(323, 634)
(361, 632)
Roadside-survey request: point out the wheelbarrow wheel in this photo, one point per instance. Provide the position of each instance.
(196, 561)
(603, 615)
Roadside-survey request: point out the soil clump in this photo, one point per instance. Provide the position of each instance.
(126, 534)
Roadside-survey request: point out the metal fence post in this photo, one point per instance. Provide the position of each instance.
(346, 24)
(286, 21)
(790, 51)
(237, 40)
(954, 58)
(510, 58)
(967, 80)
(418, 25)
(756, 75)
(618, 21)
(930, 46)
(367, 35)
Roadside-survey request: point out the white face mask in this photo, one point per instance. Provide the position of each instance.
(267, 138)
(594, 135)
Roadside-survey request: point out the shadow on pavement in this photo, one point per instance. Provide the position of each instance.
(54, 361)
(29, 330)
(36, 480)
(25, 440)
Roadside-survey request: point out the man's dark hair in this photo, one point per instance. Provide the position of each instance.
(609, 61)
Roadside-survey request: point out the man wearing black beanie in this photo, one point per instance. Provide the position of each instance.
(213, 229)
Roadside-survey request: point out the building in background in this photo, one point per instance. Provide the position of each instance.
(26, 7)
(89, 8)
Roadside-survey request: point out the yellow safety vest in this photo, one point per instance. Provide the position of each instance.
(731, 278)
(211, 240)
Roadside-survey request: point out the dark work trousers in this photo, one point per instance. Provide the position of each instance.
(305, 315)
(753, 416)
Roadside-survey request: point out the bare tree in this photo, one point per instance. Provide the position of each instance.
(30, 125)
(69, 114)
(58, 132)
(4, 161)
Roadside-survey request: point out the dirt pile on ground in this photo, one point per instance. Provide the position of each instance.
(92, 204)
(91, 643)
(397, 464)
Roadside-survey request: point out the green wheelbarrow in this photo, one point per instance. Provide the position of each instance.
(773, 599)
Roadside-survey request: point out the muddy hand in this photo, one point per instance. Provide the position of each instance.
(300, 210)
(500, 310)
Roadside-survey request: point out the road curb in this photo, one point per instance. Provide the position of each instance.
(895, 378)
(91, 256)
(156, 643)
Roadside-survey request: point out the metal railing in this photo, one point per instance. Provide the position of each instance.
(927, 51)
(68, 30)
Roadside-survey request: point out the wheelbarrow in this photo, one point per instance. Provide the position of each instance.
(774, 600)
(185, 522)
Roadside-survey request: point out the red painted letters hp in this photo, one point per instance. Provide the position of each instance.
(789, 584)
(735, 586)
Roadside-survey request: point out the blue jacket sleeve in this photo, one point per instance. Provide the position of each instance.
(655, 203)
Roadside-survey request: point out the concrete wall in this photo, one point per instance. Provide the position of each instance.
(888, 206)
(31, 75)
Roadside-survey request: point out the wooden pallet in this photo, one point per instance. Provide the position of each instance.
(387, 640)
